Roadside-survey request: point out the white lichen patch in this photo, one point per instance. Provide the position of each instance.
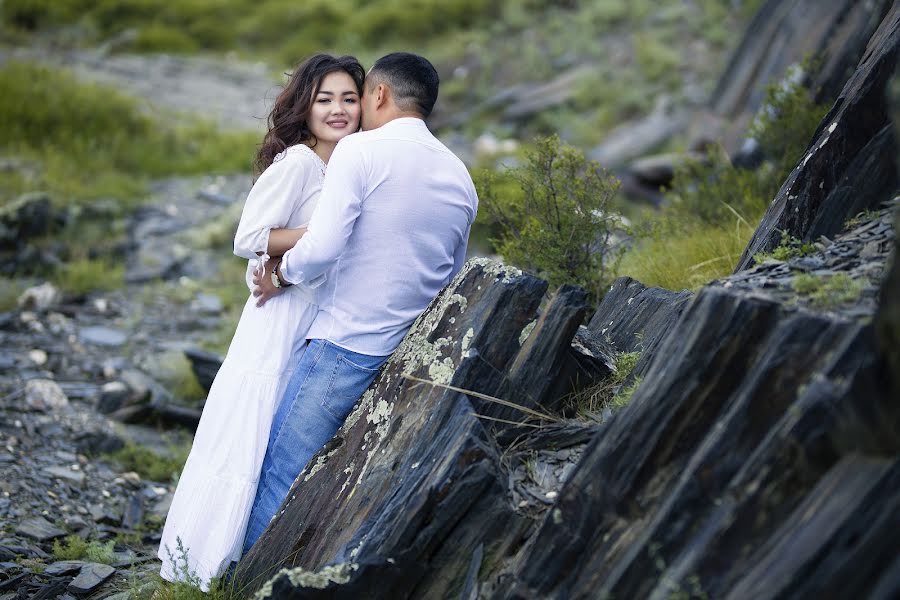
(461, 300)
(496, 270)
(363, 406)
(442, 371)
(301, 578)
(321, 461)
(526, 331)
(832, 127)
(349, 472)
(467, 339)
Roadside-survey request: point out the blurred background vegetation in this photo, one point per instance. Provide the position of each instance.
(513, 72)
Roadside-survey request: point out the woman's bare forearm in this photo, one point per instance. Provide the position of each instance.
(282, 240)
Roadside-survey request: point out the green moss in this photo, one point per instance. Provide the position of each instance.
(152, 465)
(860, 218)
(829, 291)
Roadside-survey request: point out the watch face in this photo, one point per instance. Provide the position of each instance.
(275, 280)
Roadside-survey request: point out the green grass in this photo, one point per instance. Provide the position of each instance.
(152, 465)
(83, 276)
(86, 140)
(687, 255)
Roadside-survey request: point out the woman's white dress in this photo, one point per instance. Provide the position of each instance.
(212, 502)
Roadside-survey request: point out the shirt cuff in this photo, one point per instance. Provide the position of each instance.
(296, 277)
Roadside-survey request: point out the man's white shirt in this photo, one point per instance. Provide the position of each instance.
(390, 230)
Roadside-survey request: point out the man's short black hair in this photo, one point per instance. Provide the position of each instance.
(412, 79)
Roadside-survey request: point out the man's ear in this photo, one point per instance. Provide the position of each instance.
(381, 95)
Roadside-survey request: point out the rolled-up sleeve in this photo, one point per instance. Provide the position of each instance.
(269, 204)
(332, 222)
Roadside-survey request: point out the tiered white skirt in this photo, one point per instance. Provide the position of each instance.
(211, 505)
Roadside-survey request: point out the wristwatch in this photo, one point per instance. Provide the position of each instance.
(276, 281)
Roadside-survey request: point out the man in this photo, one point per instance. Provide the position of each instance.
(389, 232)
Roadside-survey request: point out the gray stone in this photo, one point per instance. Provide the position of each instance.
(113, 395)
(102, 336)
(40, 297)
(207, 304)
(64, 567)
(44, 394)
(66, 473)
(103, 514)
(40, 529)
(92, 576)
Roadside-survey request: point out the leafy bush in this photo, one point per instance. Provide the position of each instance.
(559, 225)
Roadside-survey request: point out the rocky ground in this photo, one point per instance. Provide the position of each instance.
(68, 362)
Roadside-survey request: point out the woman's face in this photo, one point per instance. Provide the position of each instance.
(335, 110)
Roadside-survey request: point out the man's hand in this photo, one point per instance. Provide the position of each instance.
(265, 290)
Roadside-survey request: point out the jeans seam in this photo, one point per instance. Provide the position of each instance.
(324, 401)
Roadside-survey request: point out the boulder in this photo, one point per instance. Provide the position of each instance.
(44, 394)
(28, 216)
(849, 165)
(39, 298)
(205, 366)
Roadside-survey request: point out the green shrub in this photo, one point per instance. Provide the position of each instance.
(559, 224)
(714, 206)
(789, 247)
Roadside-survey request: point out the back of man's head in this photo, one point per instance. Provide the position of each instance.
(412, 79)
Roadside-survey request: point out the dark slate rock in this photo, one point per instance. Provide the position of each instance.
(28, 216)
(64, 567)
(91, 577)
(745, 410)
(847, 166)
(887, 320)
(40, 529)
(633, 317)
(205, 365)
(133, 515)
(413, 475)
(543, 372)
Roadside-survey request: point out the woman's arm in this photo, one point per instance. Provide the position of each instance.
(281, 240)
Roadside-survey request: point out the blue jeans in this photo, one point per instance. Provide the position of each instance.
(326, 384)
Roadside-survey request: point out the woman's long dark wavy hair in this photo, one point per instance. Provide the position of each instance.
(288, 120)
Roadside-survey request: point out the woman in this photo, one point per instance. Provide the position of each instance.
(206, 523)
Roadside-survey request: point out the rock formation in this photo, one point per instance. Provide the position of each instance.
(758, 457)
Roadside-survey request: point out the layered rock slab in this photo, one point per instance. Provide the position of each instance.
(752, 408)
(409, 497)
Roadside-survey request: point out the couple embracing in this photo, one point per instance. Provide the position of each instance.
(343, 260)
